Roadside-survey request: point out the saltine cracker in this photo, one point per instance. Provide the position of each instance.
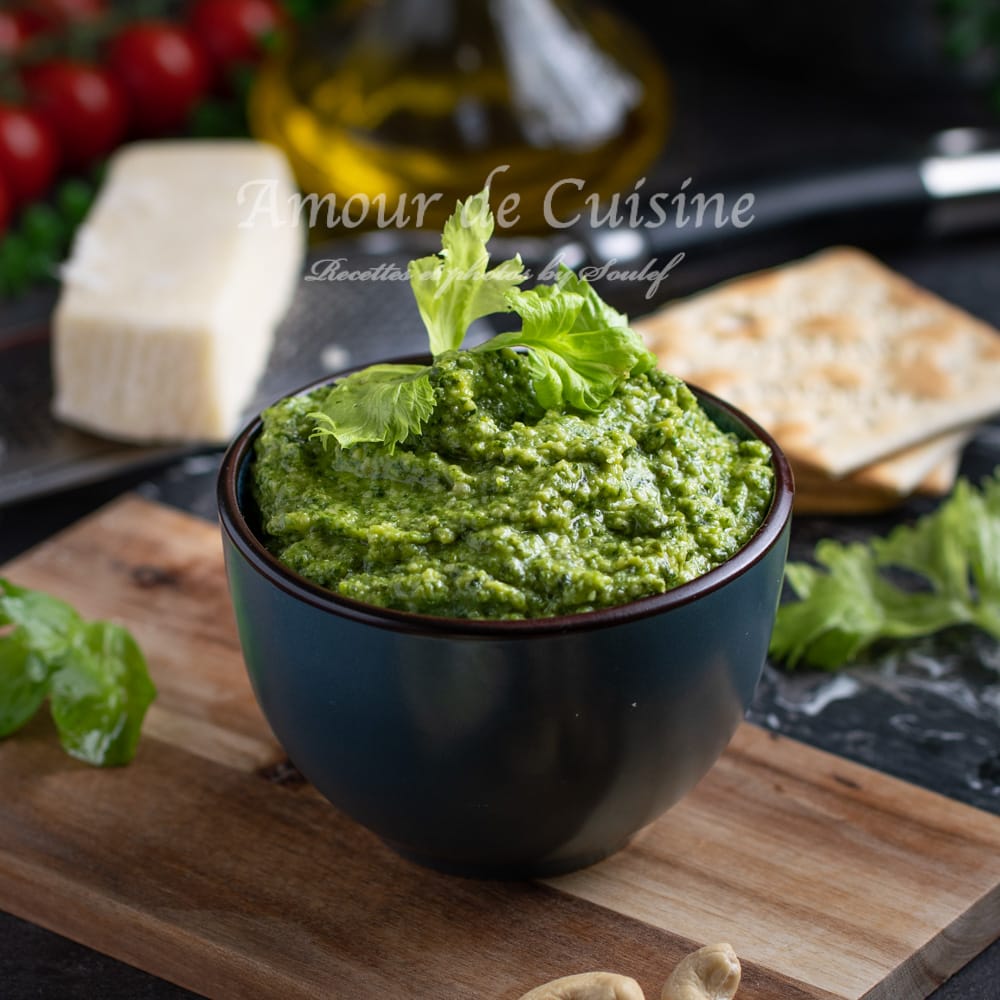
(844, 360)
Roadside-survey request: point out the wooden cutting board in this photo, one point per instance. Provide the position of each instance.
(208, 862)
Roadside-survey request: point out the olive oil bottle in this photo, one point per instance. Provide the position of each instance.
(393, 109)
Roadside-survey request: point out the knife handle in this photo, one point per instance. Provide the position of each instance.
(864, 204)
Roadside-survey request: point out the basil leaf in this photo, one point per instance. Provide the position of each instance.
(100, 694)
(93, 673)
(23, 683)
(47, 622)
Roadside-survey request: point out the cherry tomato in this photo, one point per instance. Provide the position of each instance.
(11, 35)
(29, 154)
(83, 104)
(163, 72)
(17, 27)
(231, 31)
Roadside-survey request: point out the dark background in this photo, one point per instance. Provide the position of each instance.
(776, 81)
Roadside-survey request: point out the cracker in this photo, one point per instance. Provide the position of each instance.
(903, 472)
(845, 361)
(941, 479)
(818, 495)
(808, 502)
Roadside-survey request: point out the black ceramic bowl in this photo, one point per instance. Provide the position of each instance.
(504, 748)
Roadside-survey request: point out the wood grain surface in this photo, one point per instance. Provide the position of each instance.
(208, 862)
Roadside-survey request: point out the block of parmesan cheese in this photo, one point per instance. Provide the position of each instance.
(174, 287)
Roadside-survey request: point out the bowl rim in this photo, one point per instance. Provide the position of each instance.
(236, 528)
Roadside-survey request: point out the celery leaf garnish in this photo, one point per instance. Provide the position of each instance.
(383, 403)
(455, 287)
(580, 349)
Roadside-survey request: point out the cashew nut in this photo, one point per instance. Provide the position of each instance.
(588, 986)
(710, 973)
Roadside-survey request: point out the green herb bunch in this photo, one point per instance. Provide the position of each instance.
(579, 349)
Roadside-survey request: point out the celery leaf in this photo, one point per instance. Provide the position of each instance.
(382, 403)
(848, 601)
(456, 286)
(580, 349)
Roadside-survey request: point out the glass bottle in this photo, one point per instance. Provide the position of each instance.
(554, 101)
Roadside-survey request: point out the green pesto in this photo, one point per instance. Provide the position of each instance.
(501, 510)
